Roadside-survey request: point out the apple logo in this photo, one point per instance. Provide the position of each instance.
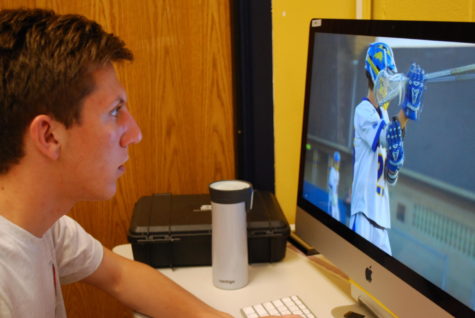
(368, 274)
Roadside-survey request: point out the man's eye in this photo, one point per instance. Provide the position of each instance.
(115, 111)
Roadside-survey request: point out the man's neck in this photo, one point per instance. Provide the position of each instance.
(29, 202)
(371, 98)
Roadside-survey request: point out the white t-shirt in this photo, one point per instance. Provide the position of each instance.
(333, 180)
(32, 269)
(370, 193)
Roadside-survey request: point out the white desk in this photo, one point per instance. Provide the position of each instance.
(311, 278)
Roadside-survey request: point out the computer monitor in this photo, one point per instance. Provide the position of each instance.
(428, 269)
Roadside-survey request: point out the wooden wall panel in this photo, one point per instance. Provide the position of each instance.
(180, 92)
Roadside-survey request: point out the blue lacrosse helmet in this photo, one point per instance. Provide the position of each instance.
(336, 156)
(379, 57)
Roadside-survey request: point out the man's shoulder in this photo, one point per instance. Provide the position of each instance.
(65, 223)
(364, 106)
(65, 229)
(365, 111)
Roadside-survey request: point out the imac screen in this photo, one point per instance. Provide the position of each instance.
(410, 192)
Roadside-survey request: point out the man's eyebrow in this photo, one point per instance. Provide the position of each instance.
(119, 100)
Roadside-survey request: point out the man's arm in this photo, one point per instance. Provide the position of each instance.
(395, 154)
(146, 290)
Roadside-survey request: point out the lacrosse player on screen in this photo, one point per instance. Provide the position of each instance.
(332, 184)
(378, 147)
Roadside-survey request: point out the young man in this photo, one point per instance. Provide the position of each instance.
(378, 147)
(64, 135)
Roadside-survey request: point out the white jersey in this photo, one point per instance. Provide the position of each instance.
(369, 190)
(333, 180)
(32, 269)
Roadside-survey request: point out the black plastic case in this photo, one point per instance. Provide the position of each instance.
(175, 230)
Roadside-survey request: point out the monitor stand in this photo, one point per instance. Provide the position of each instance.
(373, 305)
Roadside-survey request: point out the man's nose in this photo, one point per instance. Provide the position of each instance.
(133, 134)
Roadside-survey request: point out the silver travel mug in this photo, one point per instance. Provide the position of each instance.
(230, 200)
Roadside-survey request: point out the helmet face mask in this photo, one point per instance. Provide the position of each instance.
(388, 86)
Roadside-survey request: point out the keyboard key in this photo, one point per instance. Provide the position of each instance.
(248, 310)
(287, 300)
(260, 310)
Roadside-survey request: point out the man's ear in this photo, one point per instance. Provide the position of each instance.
(46, 135)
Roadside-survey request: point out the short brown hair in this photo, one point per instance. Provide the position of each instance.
(46, 61)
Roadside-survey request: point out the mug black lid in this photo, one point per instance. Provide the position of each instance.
(230, 191)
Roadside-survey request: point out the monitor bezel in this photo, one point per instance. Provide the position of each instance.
(428, 30)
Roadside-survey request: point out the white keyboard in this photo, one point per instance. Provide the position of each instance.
(291, 305)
